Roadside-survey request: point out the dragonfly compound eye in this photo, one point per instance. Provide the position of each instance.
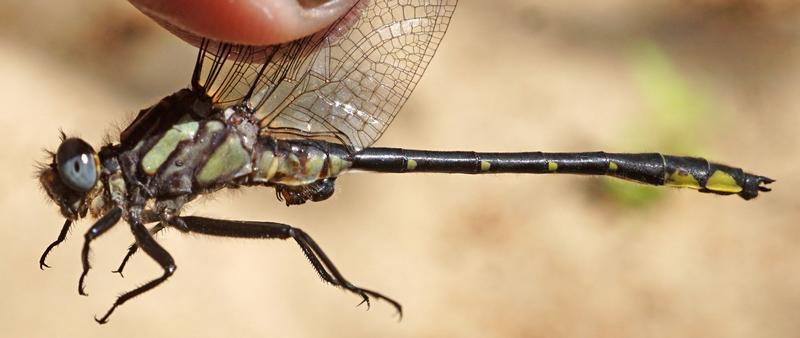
(77, 164)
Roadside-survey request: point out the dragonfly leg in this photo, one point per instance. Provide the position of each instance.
(144, 240)
(269, 230)
(61, 237)
(98, 228)
(133, 248)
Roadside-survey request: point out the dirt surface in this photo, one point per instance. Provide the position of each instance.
(467, 256)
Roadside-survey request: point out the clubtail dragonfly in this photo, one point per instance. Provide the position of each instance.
(293, 117)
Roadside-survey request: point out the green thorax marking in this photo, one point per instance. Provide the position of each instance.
(228, 159)
(185, 129)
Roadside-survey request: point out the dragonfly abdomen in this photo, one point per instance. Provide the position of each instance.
(297, 162)
(648, 168)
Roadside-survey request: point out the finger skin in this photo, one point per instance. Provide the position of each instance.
(251, 22)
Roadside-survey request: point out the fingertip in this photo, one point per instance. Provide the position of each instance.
(252, 22)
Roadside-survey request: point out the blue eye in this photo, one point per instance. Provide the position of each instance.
(76, 165)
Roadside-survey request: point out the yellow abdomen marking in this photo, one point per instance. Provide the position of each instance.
(723, 182)
(411, 165)
(267, 165)
(552, 166)
(337, 165)
(682, 179)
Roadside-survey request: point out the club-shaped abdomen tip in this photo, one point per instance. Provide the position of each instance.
(753, 184)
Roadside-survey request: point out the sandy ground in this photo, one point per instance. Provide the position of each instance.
(502, 256)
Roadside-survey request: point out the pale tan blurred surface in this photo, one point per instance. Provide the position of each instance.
(503, 256)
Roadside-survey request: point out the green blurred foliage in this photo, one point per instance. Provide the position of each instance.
(674, 109)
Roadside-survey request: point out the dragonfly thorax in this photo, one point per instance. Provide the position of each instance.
(204, 151)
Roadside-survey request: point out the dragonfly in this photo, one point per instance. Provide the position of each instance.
(294, 117)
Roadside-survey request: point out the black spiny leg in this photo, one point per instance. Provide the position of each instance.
(61, 236)
(133, 248)
(100, 227)
(319, 260)
(145, 241)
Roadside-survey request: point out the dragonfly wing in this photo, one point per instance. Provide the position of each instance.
(344, 84)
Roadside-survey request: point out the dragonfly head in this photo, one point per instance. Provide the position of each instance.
(71, 179)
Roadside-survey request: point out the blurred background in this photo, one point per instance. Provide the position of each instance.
(467, 256)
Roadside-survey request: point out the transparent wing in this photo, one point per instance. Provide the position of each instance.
(344, 84)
